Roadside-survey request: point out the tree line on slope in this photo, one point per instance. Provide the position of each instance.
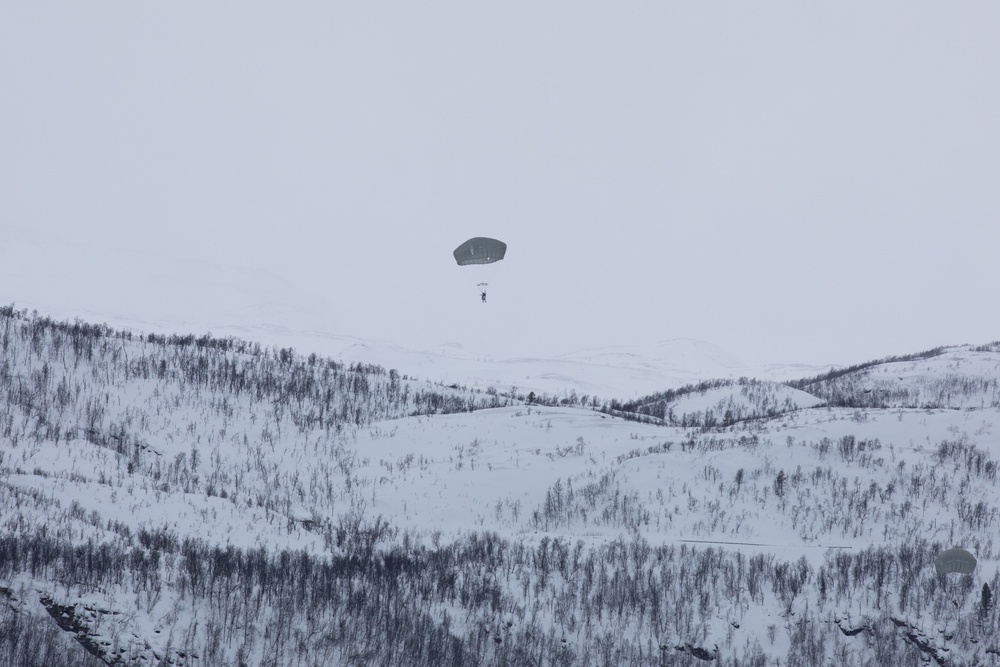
(858, 386)
(751, 399)
(485, 600)
(233, 401)
(50, 368)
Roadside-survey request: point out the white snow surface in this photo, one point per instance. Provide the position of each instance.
(444, 476)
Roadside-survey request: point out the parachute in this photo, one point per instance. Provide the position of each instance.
(958, 561)
(478, 251)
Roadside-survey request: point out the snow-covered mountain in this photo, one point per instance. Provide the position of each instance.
(214, 501)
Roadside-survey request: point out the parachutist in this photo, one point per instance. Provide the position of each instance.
(484, 251)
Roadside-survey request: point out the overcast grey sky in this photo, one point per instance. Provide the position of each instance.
(794, 182)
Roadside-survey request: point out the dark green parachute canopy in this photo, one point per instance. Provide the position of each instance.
(955, 560)
(480, 250)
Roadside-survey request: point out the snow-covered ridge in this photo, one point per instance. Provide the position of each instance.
(719, 403)
(963, 376)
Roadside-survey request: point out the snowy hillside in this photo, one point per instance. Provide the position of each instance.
(191, 500)
(717, 403)
(955, 377)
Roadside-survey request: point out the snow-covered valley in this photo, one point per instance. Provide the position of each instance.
(210, 501)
